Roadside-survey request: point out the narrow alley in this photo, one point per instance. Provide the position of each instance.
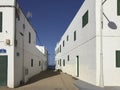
(48, 80)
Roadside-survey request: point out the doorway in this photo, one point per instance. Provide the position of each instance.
(77, 66)
(3, 70)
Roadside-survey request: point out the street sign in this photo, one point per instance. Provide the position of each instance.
(3, 51)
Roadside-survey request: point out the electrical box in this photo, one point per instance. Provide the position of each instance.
(7, 41)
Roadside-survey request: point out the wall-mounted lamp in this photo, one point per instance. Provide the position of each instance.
(111, 24)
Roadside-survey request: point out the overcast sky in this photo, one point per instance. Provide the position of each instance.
(50, 19)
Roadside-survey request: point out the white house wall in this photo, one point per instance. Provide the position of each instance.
(44, 56)
(88, 44)
(111, 43)
(20, 51)
(27, 51)
(84, 46)
(8, 33)
(8, 3)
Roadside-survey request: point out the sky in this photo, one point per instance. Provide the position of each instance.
(50, 19)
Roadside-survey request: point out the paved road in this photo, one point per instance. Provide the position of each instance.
(48, 80)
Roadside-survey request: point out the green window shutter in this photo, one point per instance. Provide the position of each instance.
(31, 62)
(118, 7)
(60, 48)
(85, 19)
(0, 21)
(117, 58)
(29, 37)
(60, 62)
(74, 35)
(64, 62)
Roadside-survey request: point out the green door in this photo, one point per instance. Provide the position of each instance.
(3, 70)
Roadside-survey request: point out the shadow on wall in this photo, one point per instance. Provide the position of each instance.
(43, 75)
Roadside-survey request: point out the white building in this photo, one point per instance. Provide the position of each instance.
(20, 59)
(44, 57)
(90, 47)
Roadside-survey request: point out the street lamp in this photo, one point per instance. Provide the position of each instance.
(111, 25)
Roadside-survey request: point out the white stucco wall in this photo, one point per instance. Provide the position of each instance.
(27, 51)
(6, 2)
(84, 46)
(88, 44)
(8, 33)
(19, 52)
(111, 43)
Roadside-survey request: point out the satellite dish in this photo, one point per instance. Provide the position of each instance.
(112, 25)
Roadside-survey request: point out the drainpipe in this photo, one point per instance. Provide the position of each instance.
(23, 52)
(101, 81)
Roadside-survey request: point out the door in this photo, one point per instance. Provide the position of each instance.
(77, 66)
(3, 70)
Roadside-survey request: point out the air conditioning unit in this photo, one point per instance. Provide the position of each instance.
(7, 41)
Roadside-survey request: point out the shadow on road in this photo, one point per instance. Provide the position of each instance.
(43, 75)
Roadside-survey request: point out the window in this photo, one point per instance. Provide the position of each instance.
(68, 58)
(23, 26)
(67, 37)
(39, 63)
(85, 19)
(31, 62)
(17, 54)
(60, 62)
(118, 7)
(0, 21)
(16, 42)
(74, 35)
(64, 62)
(29, 37)
(117, 58)
(17, 14)
(60, 48)
(63, 43)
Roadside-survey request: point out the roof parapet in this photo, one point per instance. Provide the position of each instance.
(7, 3)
